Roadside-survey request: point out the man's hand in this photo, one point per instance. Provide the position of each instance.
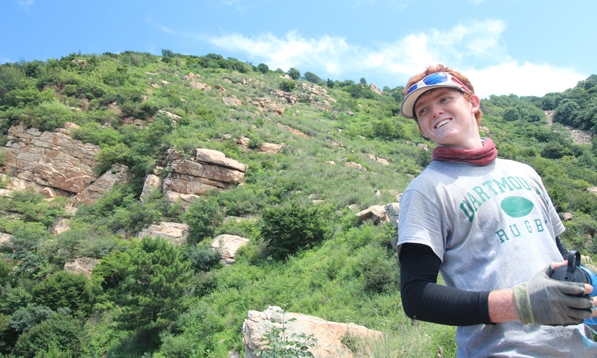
(543, 300)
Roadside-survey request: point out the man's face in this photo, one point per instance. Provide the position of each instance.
(447, 118)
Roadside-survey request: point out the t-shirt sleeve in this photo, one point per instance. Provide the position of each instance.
(422, 221)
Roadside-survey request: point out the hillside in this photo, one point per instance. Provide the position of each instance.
(101, 154)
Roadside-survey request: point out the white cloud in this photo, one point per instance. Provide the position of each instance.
(522, 79)
(474, 48)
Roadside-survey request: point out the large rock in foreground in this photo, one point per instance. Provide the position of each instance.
(329, 334)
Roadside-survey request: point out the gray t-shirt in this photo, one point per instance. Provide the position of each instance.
(493, 227)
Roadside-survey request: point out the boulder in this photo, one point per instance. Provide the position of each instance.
(271, 148)
(60, 225)
(118, 174)
(151, 184)
(231, 101)
(5, 241)
(50, 159)
(176, 233)
(354, 165)
(227, 246)
(200, 86)
(375, 214)
(329, 335)
(82, 265)
(214, 157)
(374, 88)
(184, 200)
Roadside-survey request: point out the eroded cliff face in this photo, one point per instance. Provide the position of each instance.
(50, 159)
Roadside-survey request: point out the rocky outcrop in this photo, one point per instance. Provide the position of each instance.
(375, 89)
(232, 101)
(208, 170)
(118, 174)
(54, 164)
(50, 159)
(60, 225)
(374, 213)
(227, 246)
(81, 265)
(151, 184)
(5, 241)
(329, 335)
(176, 233)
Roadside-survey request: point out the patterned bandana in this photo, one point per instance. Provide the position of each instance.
(481, 156)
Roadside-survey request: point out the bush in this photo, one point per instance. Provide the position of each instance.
(203, 216)
(204, 258)
(287, 230)
(287, 85)
(294, 73)
(59, 331)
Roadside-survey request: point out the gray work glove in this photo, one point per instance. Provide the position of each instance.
(543, 300)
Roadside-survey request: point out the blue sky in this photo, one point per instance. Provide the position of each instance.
(522, 47)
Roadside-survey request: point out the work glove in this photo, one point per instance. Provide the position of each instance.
(543, 300)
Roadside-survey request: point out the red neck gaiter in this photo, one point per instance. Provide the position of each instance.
(482, 156)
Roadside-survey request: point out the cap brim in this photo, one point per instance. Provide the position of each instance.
(408, 103)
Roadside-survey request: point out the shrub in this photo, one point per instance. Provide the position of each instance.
(287, 230)
(204, 258)
(294, 73)
(287, 85)
(203, 216)
(59, 331)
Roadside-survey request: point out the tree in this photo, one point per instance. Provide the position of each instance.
(294, 73)
(311, 77)
(59, 331)
(64, 289)
(203, 216)
(287, 230)
(154, 282)
(510, 114)
(263, 68)
(363, 81)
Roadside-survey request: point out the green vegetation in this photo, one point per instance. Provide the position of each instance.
(149, 298)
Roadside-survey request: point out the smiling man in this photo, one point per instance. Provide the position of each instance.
(488, 225)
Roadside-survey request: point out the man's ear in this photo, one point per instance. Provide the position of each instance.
(475, 101)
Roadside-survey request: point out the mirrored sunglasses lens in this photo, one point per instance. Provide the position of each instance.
(438, 77)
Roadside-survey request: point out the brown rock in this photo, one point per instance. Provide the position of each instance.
(200, 86)
(375, 89)
(176, 233)
(215, 157)
(50, 159)
(118, 174)
(227, 246)
(271, 148)
(151, 184)
(374, 213)
(81, 265)
(329, 335)
(232, 101)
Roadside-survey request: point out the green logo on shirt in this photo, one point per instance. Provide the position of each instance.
(517, 206)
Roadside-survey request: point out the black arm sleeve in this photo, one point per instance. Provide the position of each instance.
(423, 299)
(563, 251)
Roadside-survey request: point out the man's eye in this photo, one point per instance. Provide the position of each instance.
(445, 99)
(422, 111)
